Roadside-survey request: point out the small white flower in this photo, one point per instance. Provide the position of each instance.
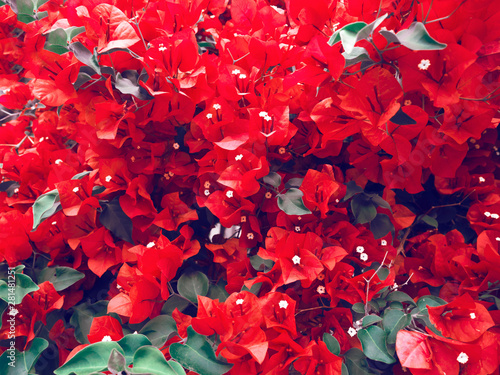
(337, 201)
(58, 161)
(16, 190)
(229, 194)
(216, 106)
(462, 358)
(482, 179)
(487, 214)
(118, 286)
(297, 228)
(239, 301)
(150, 245)
(472, 315)
(424, 64)
(283, 304)
(352, 331)
(268, 118)
(13, 311)
(108, 178)
(262, 114)
(360, 249)
(383, 243)
(135, 332)
(364, 257)
(321, 289)
(206, 192)
(296, 259)
(236, 71)
(107, 338)
(42, 139)
(209, 116)
(161, 49)
(395, 286)
(238, 157)
(76, 189)
(497, 239)
(54, 223)
(495, 216)
(242, 76)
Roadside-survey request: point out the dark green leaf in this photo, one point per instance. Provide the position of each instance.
(149, 359)
(197, 355)
(261, 264)
(173, 302)
(193, 284)
(291, 202)
(159, 329)
(131, 343)
(380, 202)
(355, 362)
(218, 291)
(358, 54)
(44, 204)
(371, 319)
(116, 221)
(381, 225)
(347, 35)
(394, 321)
(331, 343)
(128, 85)
(373, 342)
(23, 286)
(401, 118)
(367, 31)
(351, 190)
(273, 179)
(23, 361)
(390, 36)
(430, 220)
(400, 297)
(396, 305)
(417, 38)
(80, 175)
(294, 183)
(85, 56)
(116, 362)
(363, 209)
(60, 277)
(358, 307)
(92, 358)
(83, 316)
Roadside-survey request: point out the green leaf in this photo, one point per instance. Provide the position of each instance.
(23, 361)
(80, 175)
(380, 202)
(421, 312)
(149, 359)
(347, 35)
(60, 277)
(381, 225)
(358, 307)
(430, 221)
(92, 358)
(371, 319)
(83, 316)
(58, 39)
(363, 209)
(218, 291)
(23, 286)
(400, 297)
(85, 56)
(159, 329)
(367, 31)
(355, 362)
(291, 202)
(273, 179)
(331, 343)
(358, 54)
(373, 341)
(390, 36)
(116, 221)
(197, 355)
(417, 38)
(127, 83)
(130, 343)
(45, 206)
(116, 362)
(394, 321)
(193, 284)
(396, 305)
(295, 182)
(351, 190)
(261, 264)
(401, 118)
(173, 302)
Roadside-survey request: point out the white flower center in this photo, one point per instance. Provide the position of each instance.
(150, 245)
(487, 214)
(236, 71)
(363, 257)
(108, 178)
(482, 179)
(58, 161)
(107, 338)
(424, 64)
(76, 190)
(352, 331)
(238, 157)
(283, 304)
(472, 315)
(216, 106)
(209, 116)
(229, 194)
(360, 249)
(296, 259)
(239, 301)
(462, 358)
(383, 243)
(262, 114)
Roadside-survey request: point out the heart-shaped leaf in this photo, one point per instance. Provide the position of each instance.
(45, 206)
(291, 202)
(159, 329)
(130, 344)
(394, 321)
(116, 221)
(60, 277)
(197, 355)
(417, 38)
(374, 347)
(331, 343)
(149, 359)
(22, 286)
(193, 284)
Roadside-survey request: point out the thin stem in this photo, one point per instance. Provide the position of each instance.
(448, 16)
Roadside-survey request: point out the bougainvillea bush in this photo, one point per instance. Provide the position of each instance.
(249, 187)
